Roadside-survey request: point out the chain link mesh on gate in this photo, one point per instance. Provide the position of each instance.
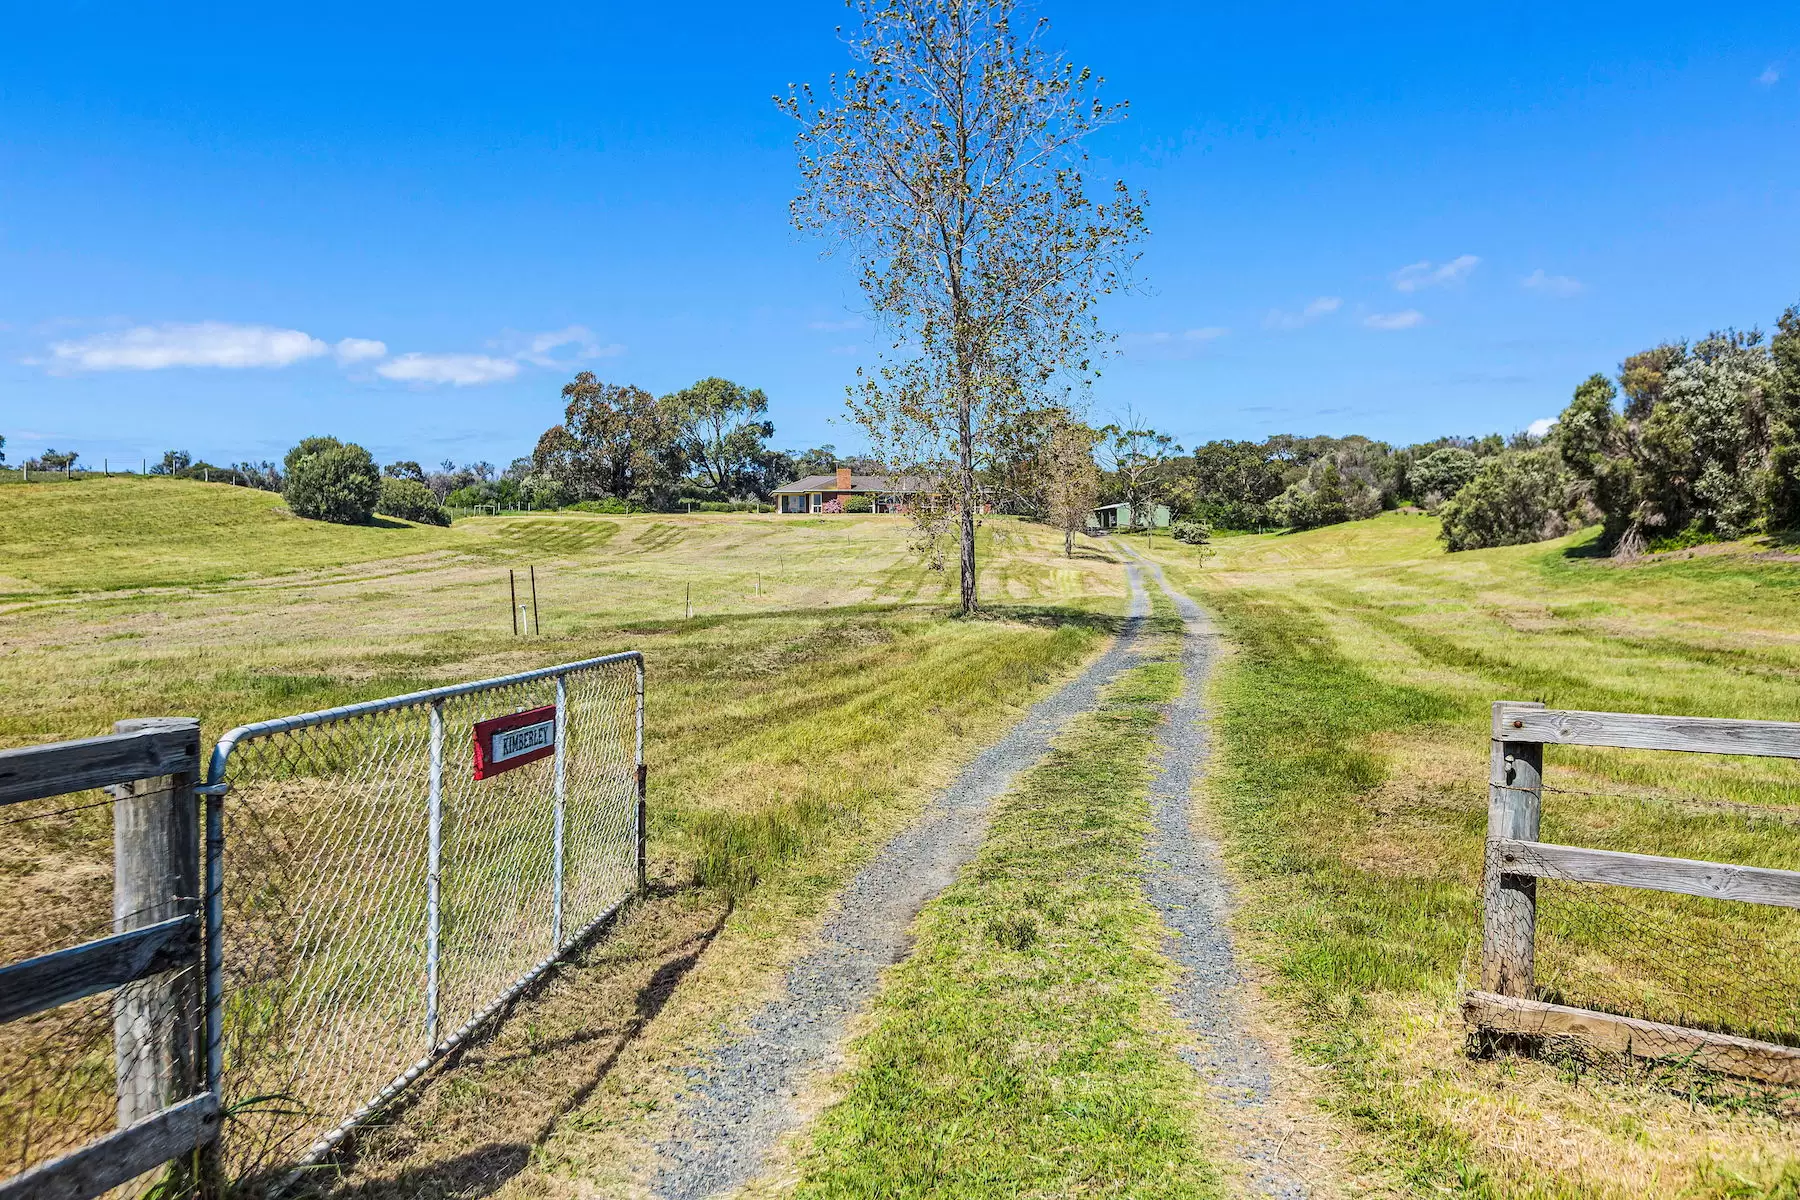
(339, 982)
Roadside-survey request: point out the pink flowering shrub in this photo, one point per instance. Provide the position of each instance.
(833, 505)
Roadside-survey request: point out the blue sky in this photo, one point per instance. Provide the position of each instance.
(413, 223)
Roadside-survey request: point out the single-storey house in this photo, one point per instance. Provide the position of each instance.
(1118, 516)
(812, 494)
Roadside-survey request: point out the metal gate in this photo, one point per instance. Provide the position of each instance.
(381, 878)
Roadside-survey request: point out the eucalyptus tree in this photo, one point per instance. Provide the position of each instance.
(949, 161)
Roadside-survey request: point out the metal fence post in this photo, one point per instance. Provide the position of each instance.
(156, 877)
(1509, 902)
(433, 870)
(643, 875)
(556, 869)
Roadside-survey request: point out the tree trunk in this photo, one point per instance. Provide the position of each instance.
(967, 481)
(1068, 543)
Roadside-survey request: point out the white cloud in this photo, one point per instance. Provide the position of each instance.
(835, 326)
(1424, 274)
(1555, 285)
(1540, 427)
(1206, 333)
(355, 350)
(460, 370)
(1397, 320)
(202, 344)
(1163, 337)
(1323, 306)
(1770, 77)
(583, 346)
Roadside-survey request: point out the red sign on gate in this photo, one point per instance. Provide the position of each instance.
(503, 743)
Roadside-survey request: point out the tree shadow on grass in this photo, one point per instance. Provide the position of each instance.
(483, 1169)
(1046, 615)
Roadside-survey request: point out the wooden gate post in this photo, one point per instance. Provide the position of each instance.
(156, 877)
(1509, 902)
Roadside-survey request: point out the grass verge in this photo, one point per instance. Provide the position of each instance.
(1349, 781)
(1024, 1049)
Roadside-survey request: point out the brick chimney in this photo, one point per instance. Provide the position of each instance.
(843, 482)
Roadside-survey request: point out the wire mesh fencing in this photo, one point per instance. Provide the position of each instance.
(382, 890)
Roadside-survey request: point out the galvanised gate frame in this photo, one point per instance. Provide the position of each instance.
(363, 890)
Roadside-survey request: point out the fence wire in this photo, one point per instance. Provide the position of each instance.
(61, 1070)
(339, 980)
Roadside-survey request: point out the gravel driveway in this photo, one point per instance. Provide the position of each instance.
(1186, 881)
(742, 1100)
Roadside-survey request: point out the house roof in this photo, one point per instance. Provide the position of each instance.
(884, 484)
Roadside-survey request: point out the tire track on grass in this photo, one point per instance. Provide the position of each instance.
(738, 1104)
(1185, 879)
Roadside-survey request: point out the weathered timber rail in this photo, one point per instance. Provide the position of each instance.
(1515, 860)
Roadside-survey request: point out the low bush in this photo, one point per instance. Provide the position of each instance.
(410, 500)
(329, 480)
(833, 505)
(859, 504)
(1194, 533)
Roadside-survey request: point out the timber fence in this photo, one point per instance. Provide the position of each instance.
(364, 888)
(1699, 970)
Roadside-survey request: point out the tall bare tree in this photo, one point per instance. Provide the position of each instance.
(949, 160)
(1138, 459)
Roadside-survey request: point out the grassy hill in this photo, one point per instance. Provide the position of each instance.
(133, 531)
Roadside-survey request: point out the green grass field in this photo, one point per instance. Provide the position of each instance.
(1350, 784)
(821, 691)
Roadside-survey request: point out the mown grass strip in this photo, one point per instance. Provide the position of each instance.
(1024, 1049)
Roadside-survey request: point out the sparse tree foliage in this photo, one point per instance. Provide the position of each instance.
(1140, 461)
(949, 160)
(1068, 482)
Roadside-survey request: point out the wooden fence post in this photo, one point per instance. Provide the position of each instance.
(1509, 902)
(156, 877)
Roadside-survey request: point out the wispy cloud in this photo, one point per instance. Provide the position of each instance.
(1423, 274)
(355, 350)
(202, 344)
(458, 370)
(844, 326)
(1771, 75)
(1164, 337)
(1554, 285)
(1405, 319)
(1323, 306)
(1540, 427)
(578, 343)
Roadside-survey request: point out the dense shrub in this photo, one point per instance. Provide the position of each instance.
(859, 504)
(329, 480)
(1194, 533)
(1706, 443)
(1318, 499)
(1515, 498)
(1441, 474)
(542, 491)
(833, 505)
(410, 500)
